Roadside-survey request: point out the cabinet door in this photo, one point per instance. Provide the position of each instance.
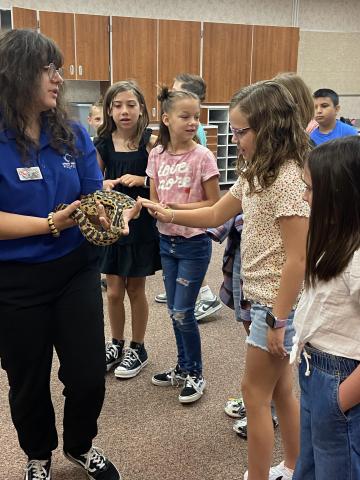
(275, 50)
(92, 47)
(179, 49)
(134, 55)
(226, 59)
(60, 27)
(24, 18)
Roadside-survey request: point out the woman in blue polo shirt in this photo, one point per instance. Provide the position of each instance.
(50, 294)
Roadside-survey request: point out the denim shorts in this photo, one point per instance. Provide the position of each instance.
(259, 328)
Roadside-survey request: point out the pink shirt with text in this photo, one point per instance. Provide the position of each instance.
(178, 178)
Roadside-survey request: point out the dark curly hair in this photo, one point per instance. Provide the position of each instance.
(23, 54)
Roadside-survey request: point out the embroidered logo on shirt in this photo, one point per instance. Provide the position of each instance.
(69, 163)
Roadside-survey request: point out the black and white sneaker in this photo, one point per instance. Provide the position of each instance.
(113, 353)
(38, 470)
(174, 377)
(95, 465)
(193, 389)
(205, 308)
(132, 363)
(240, 426)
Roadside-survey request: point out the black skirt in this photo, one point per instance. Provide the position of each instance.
(131, 260)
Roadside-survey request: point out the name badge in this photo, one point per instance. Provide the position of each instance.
(29, 173)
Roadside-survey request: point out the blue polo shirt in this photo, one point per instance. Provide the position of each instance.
(64, 179)
(341, 130)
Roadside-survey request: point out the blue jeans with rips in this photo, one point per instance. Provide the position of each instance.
(184, 262)
(330, 438)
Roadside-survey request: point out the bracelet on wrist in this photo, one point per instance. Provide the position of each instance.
(53, 230)
(146, 181)
(172, 216)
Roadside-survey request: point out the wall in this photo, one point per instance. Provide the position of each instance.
(330, 33)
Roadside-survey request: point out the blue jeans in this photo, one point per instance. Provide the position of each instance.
(184, 262)
(330, 439)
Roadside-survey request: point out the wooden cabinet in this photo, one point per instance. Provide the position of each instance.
(275, 50)
(92, 47)
(60, 27)
(130, 35)
(153, 52)
(86, 57)
(179, 49)
(226, 62)
(24, 18)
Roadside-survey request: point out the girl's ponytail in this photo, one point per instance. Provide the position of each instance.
(167, 98)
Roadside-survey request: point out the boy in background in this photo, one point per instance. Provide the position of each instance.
(95, 118)
(208, 303)
(326, 103)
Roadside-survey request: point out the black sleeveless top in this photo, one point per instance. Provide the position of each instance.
(135, 162)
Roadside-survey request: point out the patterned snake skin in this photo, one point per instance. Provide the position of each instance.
(114, 204)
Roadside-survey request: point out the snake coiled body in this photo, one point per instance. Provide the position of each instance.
(114, 204)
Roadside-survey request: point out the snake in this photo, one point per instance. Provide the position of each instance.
(114, 204)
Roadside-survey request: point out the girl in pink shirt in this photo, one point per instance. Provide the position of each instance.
(183, 175)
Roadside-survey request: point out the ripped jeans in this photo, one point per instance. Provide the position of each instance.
(184, 262)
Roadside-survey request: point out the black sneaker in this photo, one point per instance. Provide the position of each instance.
(95, 465)
(193, 389)
(132, 363)
(38, 470)
(113, 353)
(174, 377)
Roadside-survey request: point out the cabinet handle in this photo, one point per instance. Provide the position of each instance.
(80, 70)
(72, 69)
(153, 112)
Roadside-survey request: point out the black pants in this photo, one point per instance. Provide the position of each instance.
(42, 306)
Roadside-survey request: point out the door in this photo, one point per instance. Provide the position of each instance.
(60, 27)
(24, 18)
(134, 56)
(226, 59)
(275, 50)
(179, 49)
(92, 47)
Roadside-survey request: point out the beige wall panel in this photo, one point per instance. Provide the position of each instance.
(330, 15)
(350, 107)
(330, 59)
(260, 12)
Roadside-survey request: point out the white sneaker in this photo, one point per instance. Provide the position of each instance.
(161, 298)
(279, 472)
(204, 308)
(235, 408)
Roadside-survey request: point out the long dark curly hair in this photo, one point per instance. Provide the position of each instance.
(23, 54)
(280, 136)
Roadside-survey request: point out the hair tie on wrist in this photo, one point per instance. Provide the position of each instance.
(172, 216)
(53, 230)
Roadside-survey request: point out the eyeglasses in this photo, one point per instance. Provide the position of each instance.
(52, 71)
(239, 132)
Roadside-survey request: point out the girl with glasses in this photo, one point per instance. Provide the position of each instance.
(272, 147)
(50, 294)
